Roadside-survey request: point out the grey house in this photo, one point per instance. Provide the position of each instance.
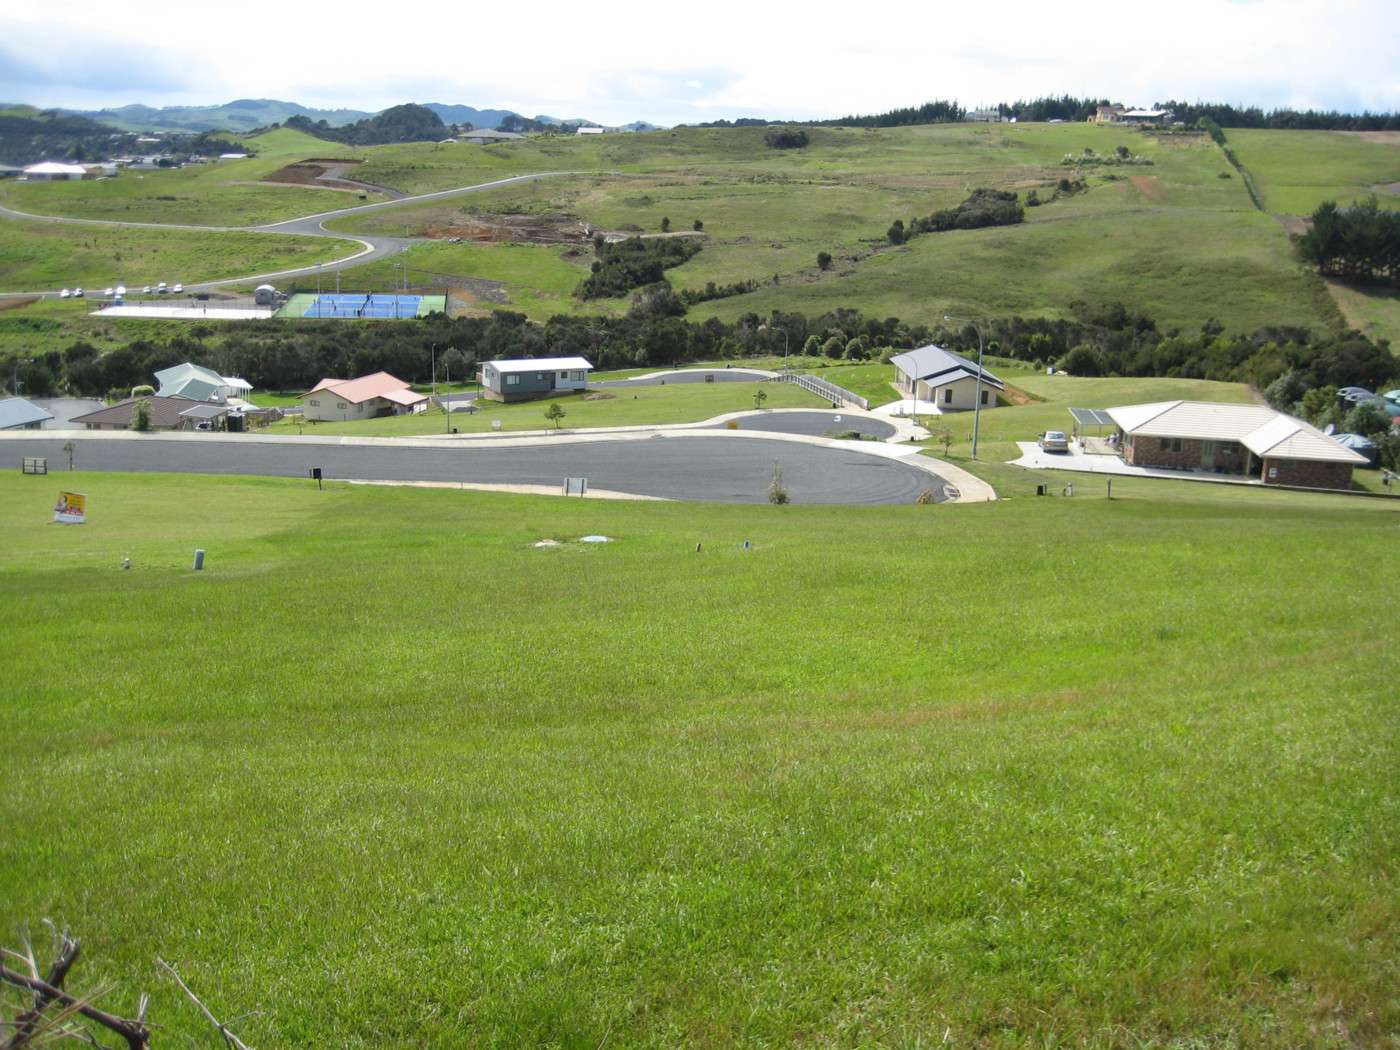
(946, 379)
(18, 414)
(527, 378)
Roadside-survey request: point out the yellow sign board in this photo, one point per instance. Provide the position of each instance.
(71, 508)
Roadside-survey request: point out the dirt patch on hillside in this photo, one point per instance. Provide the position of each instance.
(1391, 189)
(326, 174)
(1388, 138)
(1149, 187)
(515, 228)
(1017, 396)
(1294, 225)
(18, 302)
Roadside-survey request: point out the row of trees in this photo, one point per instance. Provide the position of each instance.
(1358, 243)
(621, 266)
(985, 207)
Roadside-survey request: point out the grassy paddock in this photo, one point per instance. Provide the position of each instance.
(1296, 171)
(1117, 774)
(39, 256)
(677, 403)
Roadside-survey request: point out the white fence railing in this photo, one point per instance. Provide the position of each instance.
(823, 388)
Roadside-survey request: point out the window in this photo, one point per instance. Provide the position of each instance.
(563, 375)
(512, 380)
(984, 396)
(314, 404)
(947, 395)
(340, 404)
(1171, 444)
(539, 376)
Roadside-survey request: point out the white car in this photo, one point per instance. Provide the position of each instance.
(121, 291)
(107, 292)
(178, 289)
(146, 290)
(77, 293)
(161, 289)
(64, 294)
(1054, 441)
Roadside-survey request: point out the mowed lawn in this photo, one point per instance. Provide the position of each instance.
(1054, 772)
(619, 407)
(37, 256)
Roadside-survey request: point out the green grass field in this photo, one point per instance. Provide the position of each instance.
(1173, 236)
(1112, 774)
(639, 406)
(1296, 171)
(37, 256)
(1374, 310)
(229, 193)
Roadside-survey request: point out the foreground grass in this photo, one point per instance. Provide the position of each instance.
(47, 256)
(372, 778)
(676, 403)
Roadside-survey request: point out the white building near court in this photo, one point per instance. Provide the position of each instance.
(53, 171)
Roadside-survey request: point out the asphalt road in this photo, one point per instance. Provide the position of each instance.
(815, 424)
(721, 375)
(722, 469)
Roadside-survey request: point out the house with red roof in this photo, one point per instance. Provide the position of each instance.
(379, 394)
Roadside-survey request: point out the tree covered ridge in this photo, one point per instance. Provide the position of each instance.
(621, 266)
(406, 123)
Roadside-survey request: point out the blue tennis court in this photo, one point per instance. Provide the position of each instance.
(371, 305)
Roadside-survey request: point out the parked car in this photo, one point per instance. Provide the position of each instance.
(107, 291)
(64, 294)
(1054, 441)
(121, 291)
(161, 289)
(146, 290)
(77, 293)
(178, 289)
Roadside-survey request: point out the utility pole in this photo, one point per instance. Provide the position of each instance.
(977, 397)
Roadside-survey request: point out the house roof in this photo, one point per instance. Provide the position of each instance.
(53, 167)
(203, 411)
(165, 412)
(1259, 428)
(366, 388)
(542, 364)
(938, 367)
(490, 133)
(191, 380)
(17, 412)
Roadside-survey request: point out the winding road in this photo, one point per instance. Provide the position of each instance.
(372, 246)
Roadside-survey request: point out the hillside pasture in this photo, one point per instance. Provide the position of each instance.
(1295, 171)
(46, 256)
(1123, 778)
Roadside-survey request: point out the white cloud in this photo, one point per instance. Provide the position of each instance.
(623, 62)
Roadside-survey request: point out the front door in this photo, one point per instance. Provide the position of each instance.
(1208, 455)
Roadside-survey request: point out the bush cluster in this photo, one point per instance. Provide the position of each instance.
(985, 207)
(1361, 242)
(633, 263)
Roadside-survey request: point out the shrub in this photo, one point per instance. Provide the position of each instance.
(824, 260)
(787, 138)
(632, 263)
(143, 391)
(777, 493)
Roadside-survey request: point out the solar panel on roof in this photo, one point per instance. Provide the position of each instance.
(1095, 417)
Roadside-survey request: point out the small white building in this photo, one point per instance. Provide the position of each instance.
(53, 171)
(487, 136)
(524, 378)
(585, 130)
(949, 380)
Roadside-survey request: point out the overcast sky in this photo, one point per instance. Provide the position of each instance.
(677, 63)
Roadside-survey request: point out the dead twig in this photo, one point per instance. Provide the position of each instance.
(229, 1037)
(136, 1034)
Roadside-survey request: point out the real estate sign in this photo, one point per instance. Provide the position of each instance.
(71, 508)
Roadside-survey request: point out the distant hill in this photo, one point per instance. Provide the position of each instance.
(477, 118)
(29, 135)
(241, 115)
(406, 123)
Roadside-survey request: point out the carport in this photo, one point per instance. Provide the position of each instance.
(1084, 418)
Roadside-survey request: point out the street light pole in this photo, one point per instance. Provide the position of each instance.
(977, 396)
